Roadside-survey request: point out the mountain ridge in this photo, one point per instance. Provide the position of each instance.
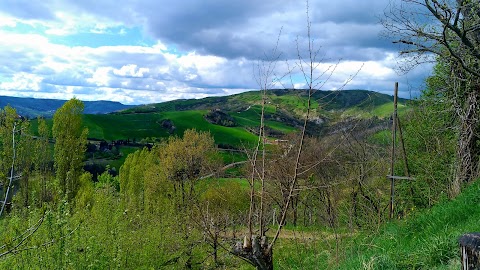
(33, 107)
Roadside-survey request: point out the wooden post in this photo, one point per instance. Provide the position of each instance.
(470, 251)
(392, 165)
(405, 159)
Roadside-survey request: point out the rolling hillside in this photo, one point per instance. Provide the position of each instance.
(332, 112)
(285, 110)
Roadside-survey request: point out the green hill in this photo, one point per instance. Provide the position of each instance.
(284, 112)
(332, 111)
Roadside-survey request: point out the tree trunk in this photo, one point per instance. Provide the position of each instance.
(294, 209)
(256, 252)
(467, 149)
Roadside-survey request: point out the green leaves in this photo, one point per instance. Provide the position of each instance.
(70, 145)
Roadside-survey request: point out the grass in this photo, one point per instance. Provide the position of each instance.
(138, 126)
(184, 120)
(125, 150)
(129, 126)
(251, 118)
(383, 137)
(123, 126)
(381, 111)
(223, 182)
(427, 240)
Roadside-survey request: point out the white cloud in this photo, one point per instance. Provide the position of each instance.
(131, 70)
(195, 56)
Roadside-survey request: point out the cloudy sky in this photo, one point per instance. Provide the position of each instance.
(145, 51)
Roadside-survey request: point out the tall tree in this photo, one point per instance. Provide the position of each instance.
(70, 145)
(42, 157)
(8, 117)
(448, 30)
(184, 161)
(15, 157)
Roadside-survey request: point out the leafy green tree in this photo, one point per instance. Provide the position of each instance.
(85, 192)
(448, 30)
(132, 177)
(8, 118)
(106, 179)
(185, 160)
(25, 162)
(42, 158)
(161, 182)
(70, 145)
(431, 136)
(16, 158)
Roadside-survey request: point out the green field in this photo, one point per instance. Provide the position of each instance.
(123, 126)
(148, 125)
(138, 126)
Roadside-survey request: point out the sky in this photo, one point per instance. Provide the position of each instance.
(148, 51)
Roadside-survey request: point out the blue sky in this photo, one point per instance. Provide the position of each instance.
(145, 51)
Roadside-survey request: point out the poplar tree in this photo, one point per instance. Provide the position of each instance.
(70, 145)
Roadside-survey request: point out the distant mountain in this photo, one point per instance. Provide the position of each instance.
(33, 107)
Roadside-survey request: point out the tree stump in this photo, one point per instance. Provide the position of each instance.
(470, 251)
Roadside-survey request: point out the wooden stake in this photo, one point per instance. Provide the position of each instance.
(404, 152)
(392, 164)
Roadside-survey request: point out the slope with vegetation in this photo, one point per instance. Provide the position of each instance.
(427, 240)
(283, 111)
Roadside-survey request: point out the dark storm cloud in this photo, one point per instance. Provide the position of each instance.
(249, 29)
(235, 29)
(349, 11)
(28, 9)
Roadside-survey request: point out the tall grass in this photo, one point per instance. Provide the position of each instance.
(428, 240)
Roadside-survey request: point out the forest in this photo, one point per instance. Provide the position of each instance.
(304, 185)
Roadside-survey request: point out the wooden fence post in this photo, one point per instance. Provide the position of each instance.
(392, 165)
(470, 251)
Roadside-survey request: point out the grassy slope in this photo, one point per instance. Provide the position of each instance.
(144, 121)
(123, 126)
(427, 240)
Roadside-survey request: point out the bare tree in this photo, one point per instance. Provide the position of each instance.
(256, 249)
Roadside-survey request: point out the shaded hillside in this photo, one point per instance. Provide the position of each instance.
(33, 107)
